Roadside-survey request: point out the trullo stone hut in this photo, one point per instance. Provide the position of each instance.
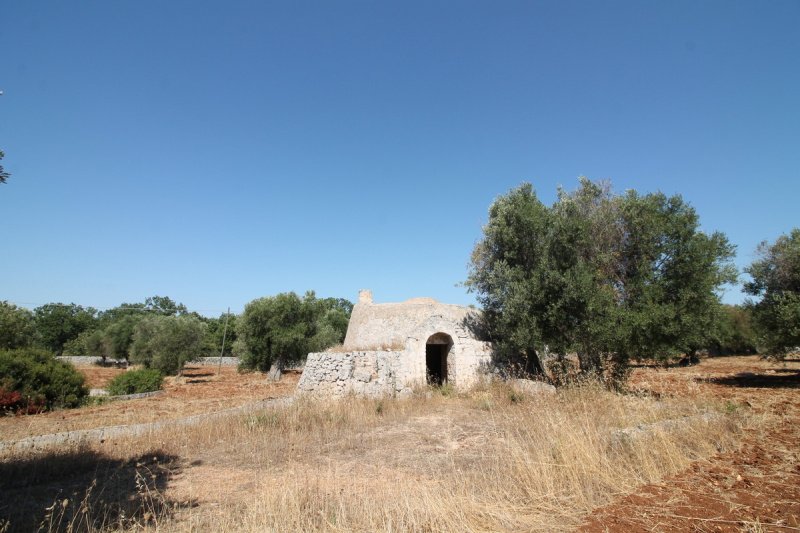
(390, 347)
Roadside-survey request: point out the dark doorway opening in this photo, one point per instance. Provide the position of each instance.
(436, 350)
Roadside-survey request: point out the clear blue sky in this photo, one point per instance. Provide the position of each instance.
(216, 152)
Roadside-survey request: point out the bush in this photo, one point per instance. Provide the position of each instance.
(32, 380)
(136, 381)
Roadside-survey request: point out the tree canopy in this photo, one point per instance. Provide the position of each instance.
(734, 333)
(57, 324)
(282, 328)
(608, 276)
(776, 282)
(17, 328)
(166, 343)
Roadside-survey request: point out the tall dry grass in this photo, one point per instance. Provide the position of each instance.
(490, 460)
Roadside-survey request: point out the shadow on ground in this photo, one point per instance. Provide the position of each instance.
(780, 379)
(83, 490)
(194, 375)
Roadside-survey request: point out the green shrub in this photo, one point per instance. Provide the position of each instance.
(136, 381)
(32, 380)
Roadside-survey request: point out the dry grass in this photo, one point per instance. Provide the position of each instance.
(479, 463)
(490, 460)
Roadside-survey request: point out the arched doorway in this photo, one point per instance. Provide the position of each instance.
(437, 348)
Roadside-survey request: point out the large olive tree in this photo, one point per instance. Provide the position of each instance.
(607, 276)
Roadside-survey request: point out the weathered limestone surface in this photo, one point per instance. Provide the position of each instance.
(384, 351)
(527, 386)
(371, 373)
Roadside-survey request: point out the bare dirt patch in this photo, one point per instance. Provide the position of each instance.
(98, 377)
(755, 488)
(199, 390)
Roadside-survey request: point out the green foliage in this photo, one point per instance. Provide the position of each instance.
(153, 305)
(38, 381)
(164, 305)
(57, 324)
(16, 327)
(214, 332)
(166, 343)
(776, 281)
(286, 328)
(119, 323)
(609, 277)
(136, 381)
(118, 336)
(734, 333)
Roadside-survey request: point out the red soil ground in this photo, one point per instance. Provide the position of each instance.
(200, 390)
(756, 488)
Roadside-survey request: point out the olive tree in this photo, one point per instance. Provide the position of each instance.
(278, 329)
(166, 343)
(607, 276)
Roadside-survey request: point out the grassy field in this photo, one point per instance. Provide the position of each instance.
(487, 460)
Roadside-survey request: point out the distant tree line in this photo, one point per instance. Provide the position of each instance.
(159, 334)
(163, 334)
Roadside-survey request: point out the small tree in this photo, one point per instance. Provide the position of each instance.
(776, 281)
(275, 330)
(118, 336)
(166, 343)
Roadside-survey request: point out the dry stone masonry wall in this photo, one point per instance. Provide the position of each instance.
(391, 347)
(370, 373)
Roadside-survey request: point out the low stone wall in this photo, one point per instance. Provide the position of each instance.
(371, 373)
(41, 443)
(87, 360)
(226, 361)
